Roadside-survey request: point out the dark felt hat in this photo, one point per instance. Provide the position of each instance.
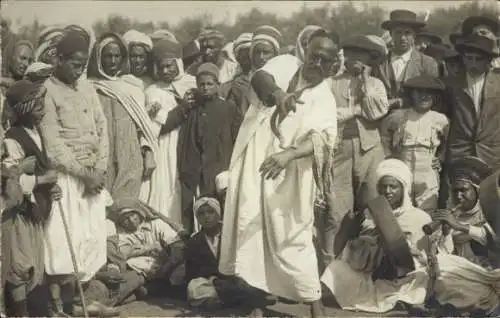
(441, 52)
(476, 43)
(402, 17)
(470, 168)
(471, 22)
(433, 37)
(374, 45)
(425, 82)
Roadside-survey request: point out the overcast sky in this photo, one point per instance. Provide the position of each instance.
(87, 12)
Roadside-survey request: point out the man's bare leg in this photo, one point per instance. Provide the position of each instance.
(316, 309)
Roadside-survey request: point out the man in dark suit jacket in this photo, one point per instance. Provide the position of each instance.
(404, 61)
(475, 96)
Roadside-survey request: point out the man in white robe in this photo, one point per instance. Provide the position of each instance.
(267, 236)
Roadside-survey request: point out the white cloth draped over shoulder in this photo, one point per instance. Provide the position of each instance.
(133, 100)
(165, 194)
(268, 224)
(461, 283)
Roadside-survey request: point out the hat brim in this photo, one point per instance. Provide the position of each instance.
(470, 23)
(436, 89)
(433, 37)
(378, 55)
(391, 24)
(463, 47)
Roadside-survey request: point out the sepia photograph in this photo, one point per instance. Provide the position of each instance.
(250, 158)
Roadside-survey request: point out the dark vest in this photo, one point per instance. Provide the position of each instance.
(40, 211)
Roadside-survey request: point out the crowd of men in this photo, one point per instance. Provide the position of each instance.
(226, 172)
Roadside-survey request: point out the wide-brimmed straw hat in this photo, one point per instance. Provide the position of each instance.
(402, 17)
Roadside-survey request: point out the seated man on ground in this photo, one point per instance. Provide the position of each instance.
(115, 284)
(207, 287)
(151, 244)
(466, 232)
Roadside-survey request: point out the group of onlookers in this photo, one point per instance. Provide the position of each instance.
(131, 162)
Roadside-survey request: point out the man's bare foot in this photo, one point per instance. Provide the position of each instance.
(256, 313)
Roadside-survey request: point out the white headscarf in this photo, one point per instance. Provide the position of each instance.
(399, 170)
(306, 32)
(136, 37)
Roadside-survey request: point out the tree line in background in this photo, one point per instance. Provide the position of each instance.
(346, 18)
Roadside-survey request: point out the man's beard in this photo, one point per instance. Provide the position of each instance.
(313, 74)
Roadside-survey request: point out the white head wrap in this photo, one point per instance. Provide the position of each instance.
(306, 32)
(399, 170)
(36, 67)
(213, 203)
(136, 37)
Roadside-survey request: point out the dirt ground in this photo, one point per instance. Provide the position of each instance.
(159, 307)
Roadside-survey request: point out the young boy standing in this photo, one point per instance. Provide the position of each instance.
(206, 138)
(23, 222)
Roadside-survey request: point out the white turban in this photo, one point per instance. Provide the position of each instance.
(136, 37)
(37, 67)
(213, 203)
(397, 169)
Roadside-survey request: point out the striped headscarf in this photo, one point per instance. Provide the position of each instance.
(24, 97)
(269, 35)
(207, 34)
(212, 202)
(243, 41)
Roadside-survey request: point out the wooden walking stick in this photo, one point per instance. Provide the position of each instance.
(73, 259)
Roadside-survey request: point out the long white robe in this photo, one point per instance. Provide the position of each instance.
(461, 283)
(165, 195)
(268, 224)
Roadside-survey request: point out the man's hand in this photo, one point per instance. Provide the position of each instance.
(55, 193)
(448, 218)
(113, 277)
(93, 181)
(27, 165)
(154, 109)
(395, 103)
(149, 164)
(356, 222)
(154, 250)
(436, 164)
(189, 99)
(274, 164)
(47, 178)
(365, 73)
(286, 102)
